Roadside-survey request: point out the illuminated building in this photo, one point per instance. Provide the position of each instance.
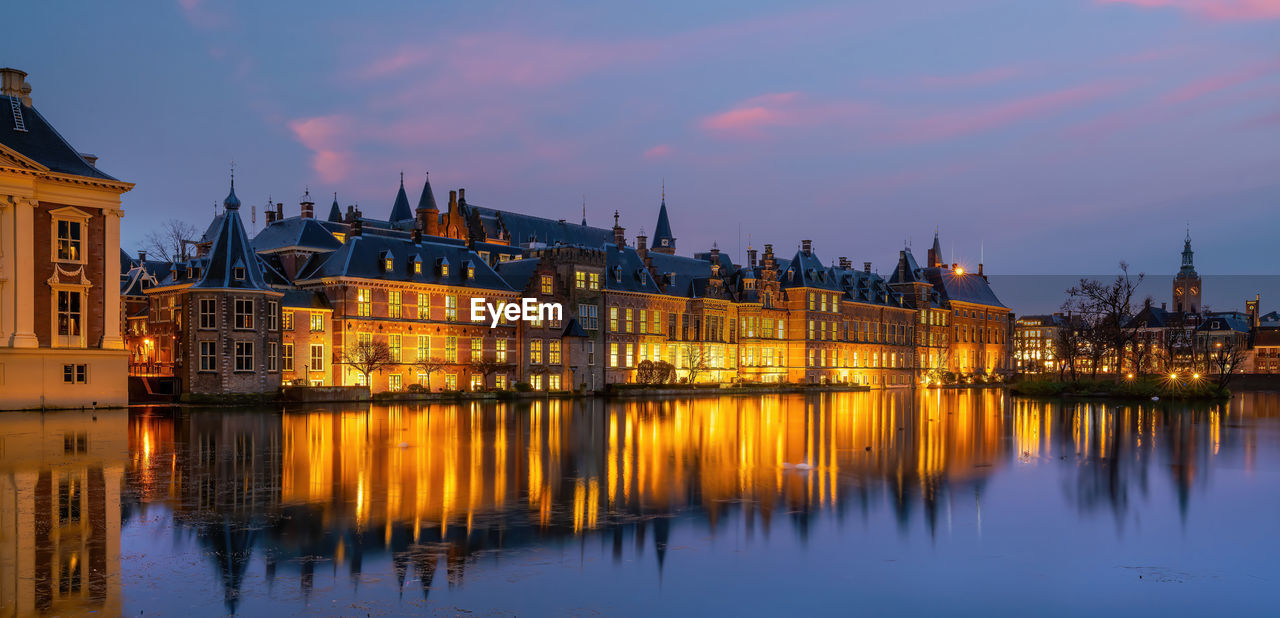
(60, 340)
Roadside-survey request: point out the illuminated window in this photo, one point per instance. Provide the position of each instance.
(477, 349)
(477, 382)
(471, 271)
(451, 349)
(546, 284)
(613, 355)
(451, 308)
(535, 351)
(69, 313)
(417, 266)
(630, 356)
(394, 381)
(450, 382)
(500, 350)
(553, 382)
(287, 358)
(69, 242)
(594, 279)
(535, 381)
(317, 357)
(424, 347)
(553, 351)
(393, 304)
(613, 319)
(364, 302)
(393, 344)
(630, 316)
(580, 279)
(244, 356)
(317, 322)
(287, 318)
(244, 313)
(424, 306)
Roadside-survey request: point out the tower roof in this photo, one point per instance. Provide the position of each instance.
(335, 211)
(400, 210)
(662, 231)
(231, 262)
(428, 199)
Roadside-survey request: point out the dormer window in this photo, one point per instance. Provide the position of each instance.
(238, 273)
(387, 264)
(665, 242)
(417, 265)
(190, 272)
(471, 270)
(617, 273)
(443, 265)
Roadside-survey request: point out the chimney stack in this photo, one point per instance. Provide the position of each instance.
(845, 264)
(806, 247)
(866, 267)
(14, 83)
(642, 245)
(142, 255)
(271, 216)
(462, 196)
(980, 269)
(619, 232)
(357, 228)
(453, 201)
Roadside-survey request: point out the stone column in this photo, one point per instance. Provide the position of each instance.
(7, 266)
(111, 339)
(23, 277)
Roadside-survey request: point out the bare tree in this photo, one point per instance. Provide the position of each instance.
(367, 357)
(1067, 349)
(696, 360)
(1107, 311)
(428, 365)
(168, 241)
(1225, 357)
(487, 367)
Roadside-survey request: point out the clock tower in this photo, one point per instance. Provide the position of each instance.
(1186, 285)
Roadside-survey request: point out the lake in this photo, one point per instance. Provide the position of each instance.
(957, 502)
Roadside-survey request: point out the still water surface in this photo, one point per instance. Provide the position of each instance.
(953, 502)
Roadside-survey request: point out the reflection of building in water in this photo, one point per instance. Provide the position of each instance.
(444, 484)
(60, 476)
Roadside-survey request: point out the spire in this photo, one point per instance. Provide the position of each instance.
(400, 210)
(584, 209)
(232, 202)
(335, 211)
(935, 252)
(1188, 256)
(663, 241)
(427, 200)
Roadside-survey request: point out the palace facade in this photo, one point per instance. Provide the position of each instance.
(292, 305)
(60, 320)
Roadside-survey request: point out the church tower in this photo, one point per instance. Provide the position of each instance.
(1186, 285)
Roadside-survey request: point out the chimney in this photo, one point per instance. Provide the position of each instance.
(980, 269)
(642, 245)
(845, 264)
(751, 258)
(1164, 306)
(462, 197)
(866, 267)
(271, 216)
(806, 247)
(619, 232)
(14, 83)
(308, 207)
(417, 236)
(351, 214)
(142, 255)
(357, 228)
(715, 254)
(453, 201)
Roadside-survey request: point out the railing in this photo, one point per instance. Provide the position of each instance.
(151, 369)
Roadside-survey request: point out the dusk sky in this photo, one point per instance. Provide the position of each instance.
(1058, 135)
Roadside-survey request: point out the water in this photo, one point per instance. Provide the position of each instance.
(955, 502)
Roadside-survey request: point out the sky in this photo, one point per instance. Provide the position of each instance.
(1045, 136)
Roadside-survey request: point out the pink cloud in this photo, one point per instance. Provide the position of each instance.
(753, 117)
(327, 138)
(1225, 10)
(658, 152)
(1215, 83)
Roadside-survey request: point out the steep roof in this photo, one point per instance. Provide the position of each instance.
(626, 272)
(362, 257)
(678, 273)
(966, 288)
(518, 272)
(231, 262)
(662, 231)
(428, 198)
(400, 210)
(305, 299)
(524, 229)
(907, 271)
(807, 271)
(41, 142)
(335, 211)
(295, 232)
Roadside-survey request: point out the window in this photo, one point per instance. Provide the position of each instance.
(588, 316)
(244, 313)
(553, 382)
(317, 322)
(451, 349)
(613, 355)
(535, 351)
(287, 318)
(500, 353)
(244, 356)
(75, 374)
(69, 241)
(477, 382)
(364, 302)
(388, 264)
(471, 271)
(208, 313)
(580, 280)
(417, 266)
(630, 323)
(393, 344)
(535, 381)
(450, 382)
(477, 349)
(451, 308)
(424, 306)
(553, 351)
(500, 381)
(288, 357)
(273, 315)
(630, 356)
(393, 304)
(317, 357)
(69, 318)
(272, 355)
(208, 356)
(613, 319)
(394, 382)
(594, 279)
(591, 353)
(444, 272)
(546, 284)
(424, 347)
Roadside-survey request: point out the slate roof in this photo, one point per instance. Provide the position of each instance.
(662, 231)
(573, 329)
(524, 229)
(42, 143)
(518, 272)
(400, 210)
(1150, 317)
(864, 287)
(428, 198)
(626, 272)
(966, 288)
(136, 281)
(908, 270)
(1225, 321)
(1268, 337)
(806, 270)
(335, 211)
(678, 273)
(295, 232)
(305, 299)
(231, 250)
(362, 257)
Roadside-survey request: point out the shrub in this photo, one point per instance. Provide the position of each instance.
(523, 387)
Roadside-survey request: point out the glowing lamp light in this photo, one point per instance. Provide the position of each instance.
(1173, 376)
(959, 270)
(1130, 376)
(1195, 376)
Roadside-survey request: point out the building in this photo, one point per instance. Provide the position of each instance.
(1035, 340)
(1186, 284)
(60, 321)
(627, 311)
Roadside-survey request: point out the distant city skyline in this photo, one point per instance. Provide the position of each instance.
(1054, 137)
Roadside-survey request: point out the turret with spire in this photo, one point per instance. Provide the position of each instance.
(428, 212)
(1186, 285)
(400, 209)
(663, 241)
(335, 211)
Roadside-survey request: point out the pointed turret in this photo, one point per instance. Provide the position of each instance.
(663, 241)
(1188, 256)
(427, 212)
(935, 252)
(231, 261)
(400, 211)
(335, 211)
